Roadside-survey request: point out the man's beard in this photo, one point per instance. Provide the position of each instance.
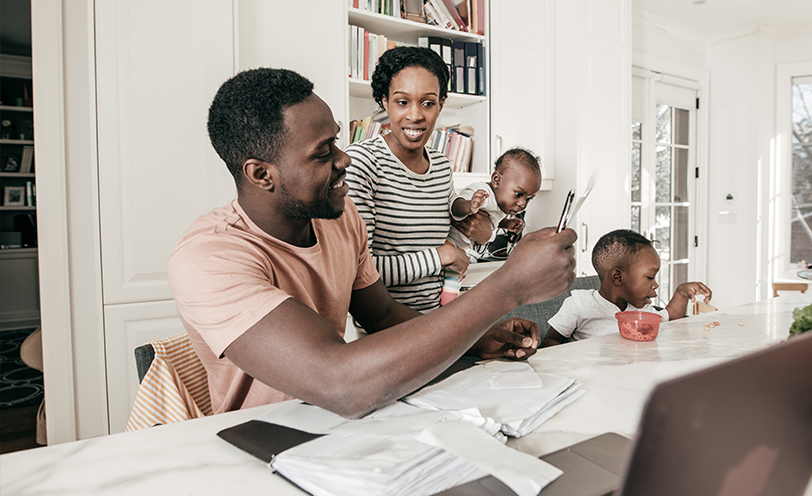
(296, 209)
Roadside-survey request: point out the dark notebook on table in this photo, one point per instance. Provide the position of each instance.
(740, 428)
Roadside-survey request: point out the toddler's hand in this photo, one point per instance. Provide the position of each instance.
(689, 290)
(514, 225)
(477, 200)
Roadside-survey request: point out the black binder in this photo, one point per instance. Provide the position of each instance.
(480, 60)
(460, 73)
(471, 67)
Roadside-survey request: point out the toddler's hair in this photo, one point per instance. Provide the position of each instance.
(617, 249)
(518, 155)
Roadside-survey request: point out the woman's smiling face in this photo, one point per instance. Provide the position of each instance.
(413, 105)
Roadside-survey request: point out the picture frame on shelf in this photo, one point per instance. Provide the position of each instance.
(14, 196)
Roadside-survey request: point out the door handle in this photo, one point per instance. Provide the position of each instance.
(586, 237)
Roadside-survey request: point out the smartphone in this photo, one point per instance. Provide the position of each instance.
(562, 224)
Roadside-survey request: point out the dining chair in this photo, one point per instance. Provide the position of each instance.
(173, 384)
(542, 312)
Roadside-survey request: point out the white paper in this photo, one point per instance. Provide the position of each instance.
(303, 417)
(519, 412)
(512, 375)
(591, 184)
(526, 475)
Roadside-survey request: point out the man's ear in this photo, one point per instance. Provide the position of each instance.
(260, 174)
(495, 178)
(616, 276)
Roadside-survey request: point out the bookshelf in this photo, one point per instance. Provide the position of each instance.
(459, 108)
(17, 179)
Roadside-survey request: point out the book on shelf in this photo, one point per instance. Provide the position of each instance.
(478, 16)
(369, 127)
(384, 7)
(451, 8)
(365, 50)
(30, 194)
(27, 159)
(457, 144)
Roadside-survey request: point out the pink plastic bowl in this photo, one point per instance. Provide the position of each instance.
(639, 326)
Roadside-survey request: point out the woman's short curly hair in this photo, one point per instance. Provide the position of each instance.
(396, 59)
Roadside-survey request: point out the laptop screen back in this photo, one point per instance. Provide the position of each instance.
(741, 428)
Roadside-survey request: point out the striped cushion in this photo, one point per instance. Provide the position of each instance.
(175, 387)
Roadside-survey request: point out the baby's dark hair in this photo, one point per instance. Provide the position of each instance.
(396, 59)
(617, 249)
(518, 156)
(246, 116)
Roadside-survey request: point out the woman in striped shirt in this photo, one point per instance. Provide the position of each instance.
(402, 188)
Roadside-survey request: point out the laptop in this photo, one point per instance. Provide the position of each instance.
(740, 428)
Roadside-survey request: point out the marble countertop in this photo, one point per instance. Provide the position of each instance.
(188, 458)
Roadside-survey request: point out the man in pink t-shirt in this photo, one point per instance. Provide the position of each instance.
(263, 285)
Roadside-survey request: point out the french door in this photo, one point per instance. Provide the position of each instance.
(663, 175)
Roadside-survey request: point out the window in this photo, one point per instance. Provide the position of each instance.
(662, 176)
(801, 178)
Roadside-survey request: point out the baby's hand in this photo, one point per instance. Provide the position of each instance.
(477, 200)
(512, 224)
(689, 290)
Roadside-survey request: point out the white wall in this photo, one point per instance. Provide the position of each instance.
(740, 106)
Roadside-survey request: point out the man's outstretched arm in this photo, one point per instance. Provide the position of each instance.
(294, 350)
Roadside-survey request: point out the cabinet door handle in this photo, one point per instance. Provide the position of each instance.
(586, 237)
(498, 145)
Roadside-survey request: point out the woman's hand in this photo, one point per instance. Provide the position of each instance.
(476, 227)
(453, 258)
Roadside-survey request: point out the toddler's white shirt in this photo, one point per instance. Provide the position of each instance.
(586, 314)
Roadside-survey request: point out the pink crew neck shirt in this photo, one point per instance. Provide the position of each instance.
(226, 274)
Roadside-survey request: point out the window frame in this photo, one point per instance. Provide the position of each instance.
(778, 200)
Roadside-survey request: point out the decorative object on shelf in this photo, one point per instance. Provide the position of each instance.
(8, 130)
(14, 196)
(10, 163)
(26, 130)
(413, 11)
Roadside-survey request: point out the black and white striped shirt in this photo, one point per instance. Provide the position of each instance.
(407, 218)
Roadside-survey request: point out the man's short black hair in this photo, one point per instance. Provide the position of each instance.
(518, 156)
(246, 116)
(396, 59)
(617, 249)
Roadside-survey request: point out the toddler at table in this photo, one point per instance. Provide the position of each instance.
(627, 265)
(514, 182)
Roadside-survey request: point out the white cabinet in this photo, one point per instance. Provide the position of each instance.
(303, 36)
(159, 64)
(158, 67)
(521, 68)
(592, 118)
(127, 327)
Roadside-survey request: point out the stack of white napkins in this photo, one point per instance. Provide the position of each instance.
(401, 450)
(510, 393)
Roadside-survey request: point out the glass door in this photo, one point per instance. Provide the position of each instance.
(663, 178)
